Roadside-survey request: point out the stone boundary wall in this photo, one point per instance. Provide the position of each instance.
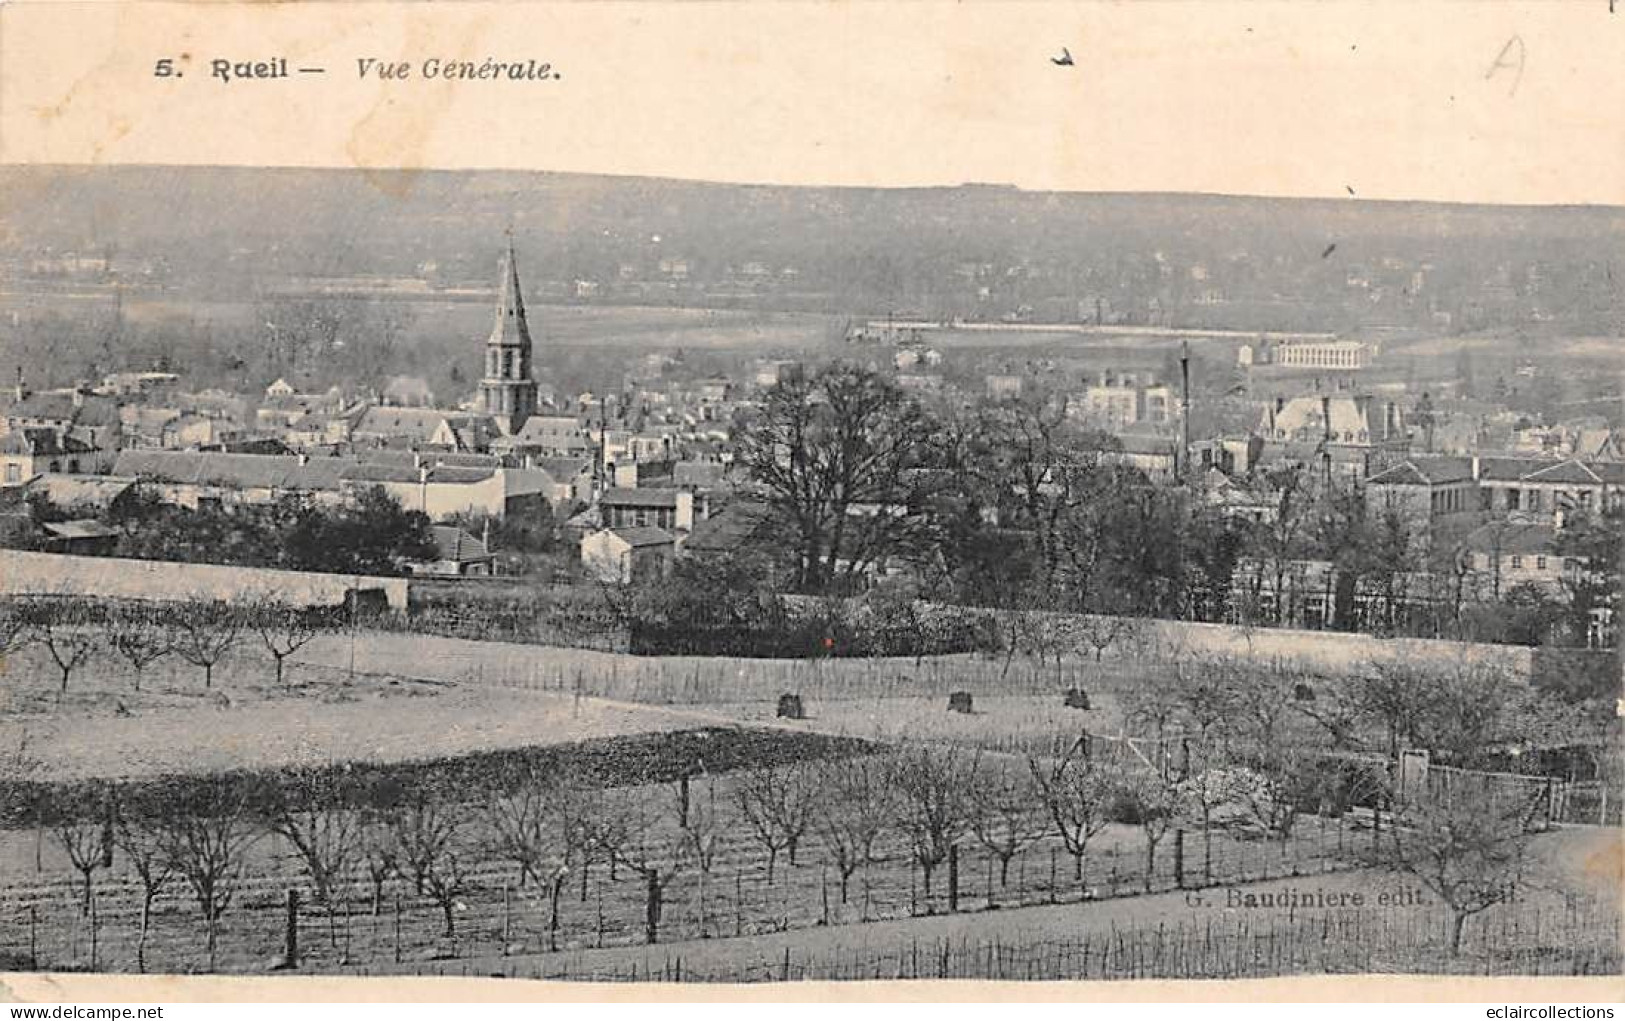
(26, 573)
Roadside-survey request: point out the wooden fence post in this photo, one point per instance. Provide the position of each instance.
(507, 917)
(94, 927)
(290, 937)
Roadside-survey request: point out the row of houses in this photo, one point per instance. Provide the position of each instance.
(1429, 490)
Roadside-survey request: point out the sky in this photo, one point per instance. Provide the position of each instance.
(1491, 102)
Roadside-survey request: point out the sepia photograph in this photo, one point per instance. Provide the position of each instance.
(609, 572)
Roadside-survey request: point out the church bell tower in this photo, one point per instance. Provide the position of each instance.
(508, 389)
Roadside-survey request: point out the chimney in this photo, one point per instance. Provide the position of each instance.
(1476, 475)
(304, 458)
(1184, 406)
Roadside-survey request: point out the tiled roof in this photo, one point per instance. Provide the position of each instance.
(1566, 471)
(263, 471)
(640, 537)
(1425, 471)
(68, 490)
(639, 498)
(457, 545)
(730, 528)
(1509, 538)
(87, 528)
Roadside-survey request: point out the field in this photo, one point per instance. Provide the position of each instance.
(104, 728)
(737, 913)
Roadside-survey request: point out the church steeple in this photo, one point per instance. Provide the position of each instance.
(508, 390)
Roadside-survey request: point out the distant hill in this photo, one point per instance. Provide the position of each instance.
(968, 250)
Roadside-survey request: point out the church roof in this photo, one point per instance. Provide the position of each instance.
(510, 328)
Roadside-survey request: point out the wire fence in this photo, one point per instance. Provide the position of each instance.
(48, 925)
(1571, 939)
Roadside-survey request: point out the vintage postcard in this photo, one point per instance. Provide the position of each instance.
(833, 500)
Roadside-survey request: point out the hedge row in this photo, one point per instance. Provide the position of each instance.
(616, 762)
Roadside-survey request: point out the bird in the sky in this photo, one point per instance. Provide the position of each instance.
(1064, 60)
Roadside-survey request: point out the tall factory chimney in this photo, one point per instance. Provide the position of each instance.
(1184, 409)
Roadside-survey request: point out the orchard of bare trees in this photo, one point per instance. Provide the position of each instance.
(560, 861)
(75, 633)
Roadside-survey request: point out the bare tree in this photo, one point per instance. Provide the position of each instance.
(1076, 792)
(282, 628)
(778, 805)
(378, 858)
(327, 842)
(1042, 638)
(86, 847)
(143, 847)
(205, 631)
(1100, 631)
(1003, 819)
(857, 805)
(652, 848)
(518, 824)
(64, 627)
(13, 626)
(430, 844)
(703, 827)
(139, 633)
(1206, 781)
(1468, 846)
(209, 848)
(933, 787)
(1151, 800)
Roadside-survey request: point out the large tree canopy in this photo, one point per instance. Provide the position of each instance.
(834, 453)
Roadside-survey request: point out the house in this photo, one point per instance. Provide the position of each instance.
(671, 509)
(81, 494)
(548, 436)
(458, 555)
(191, 430)
(193, 479)
(572, 477)
(280, 410)
(1502, 555)
(1157, 456)
(625, 555)
(91, 419)
(129, 384)
(1423, 489)
(1541, 488)
(699, 475)
(1123, 399)
(27, 452)
(423, 429)
(637, 474)
(743, 524)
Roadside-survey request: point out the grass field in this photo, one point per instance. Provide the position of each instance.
(103, 727)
